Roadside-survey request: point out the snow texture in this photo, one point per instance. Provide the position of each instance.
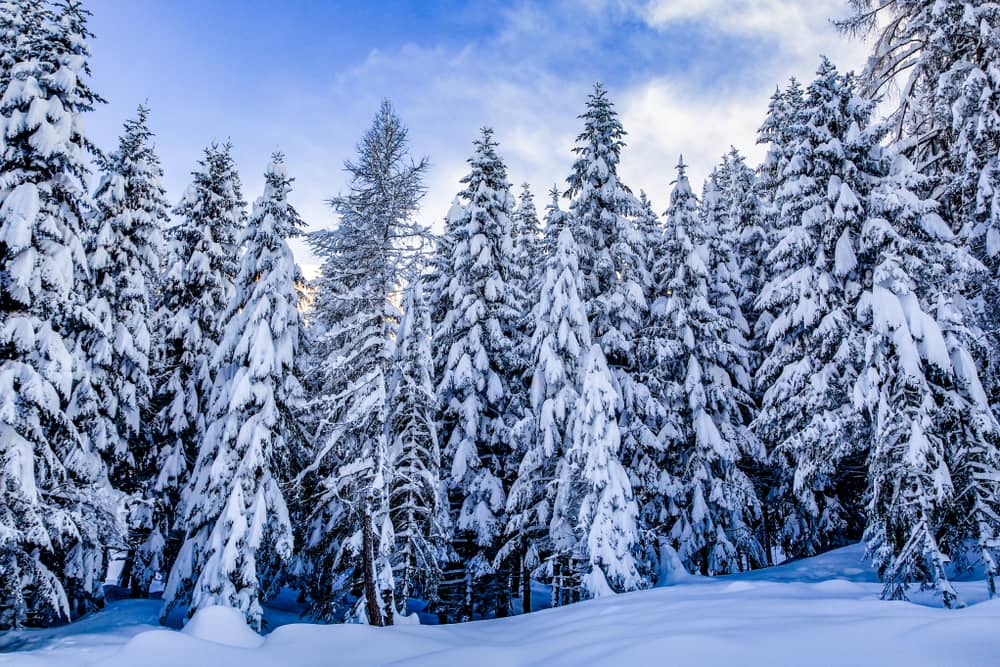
(825, 610)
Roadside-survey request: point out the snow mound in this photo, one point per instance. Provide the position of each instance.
(222, 625)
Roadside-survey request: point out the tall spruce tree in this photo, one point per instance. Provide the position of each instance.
(526, 231)
(57, 512)
(561, 337)
(595, 518)
(651, 231)
(942, 55)
(709, 501)
(556, 219)
(350, 538)
(438, 276)
(782, 124)
(417, 504)
(603, 215)
(806, 420)
(934, 467)
(743, 225)
(124, 253)
(480, 378)
(237, 530)
(196, 290)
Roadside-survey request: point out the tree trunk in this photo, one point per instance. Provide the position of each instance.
(515, 573)
(390, 607)
(525, 579)
(368, 558)
(556, 582)
(768, 541)
(125, 578)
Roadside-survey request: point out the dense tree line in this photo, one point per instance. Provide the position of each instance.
(803, 355)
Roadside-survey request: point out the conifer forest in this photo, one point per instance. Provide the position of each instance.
(552, 392)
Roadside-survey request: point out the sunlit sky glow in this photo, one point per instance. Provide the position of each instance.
(688, 76)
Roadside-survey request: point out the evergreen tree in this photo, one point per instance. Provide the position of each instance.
(56, 508)
(934, 467)
(743, 225)
(781, 127)
(196, 290)
(438, 276)
(237, 530)
(710, 502)
(350, 537)
(437, 281)
(417, 505)
(603, 215)
(942, 54)
(525, 226)
(561, 337)
(613, 253)
(594, 524)
(526, 237)
(650, 230)
(526, 231)
(556, 220)
(124, 253)
(480, 380)
(649, 467)
(815, 436)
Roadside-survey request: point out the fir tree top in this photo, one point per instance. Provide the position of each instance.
(599, 146)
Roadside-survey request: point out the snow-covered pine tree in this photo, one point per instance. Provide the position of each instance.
(942, 57)
(648, 467)
(438, 276)
(417, 504)
(594, 526)
(934, 467)
(603, 215)
(527, 240)
(349, 534)
(196, 289)
(561, 338)
(739, 242)
(525, 226)
(744, 224)
(57, 511)
(238, 536)
(710, 503)
(526, 232)
(782, 126)
(719, 229)
(480, 379)
(556, 220)
(806, 420)
(942, 54)
(648, 225)
(124, 253)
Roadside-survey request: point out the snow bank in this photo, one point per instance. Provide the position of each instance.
(818, 611)
(222, 625)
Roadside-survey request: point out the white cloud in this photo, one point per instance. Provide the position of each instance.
(803, 27)
(445, 94)
(664, 120)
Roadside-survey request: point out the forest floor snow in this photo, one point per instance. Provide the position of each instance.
(817, 611)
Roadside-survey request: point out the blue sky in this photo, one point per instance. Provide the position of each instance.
(688, 76)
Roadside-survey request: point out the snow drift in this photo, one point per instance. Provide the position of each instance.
(819, 611)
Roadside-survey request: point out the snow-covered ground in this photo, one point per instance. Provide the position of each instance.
(819, 611)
